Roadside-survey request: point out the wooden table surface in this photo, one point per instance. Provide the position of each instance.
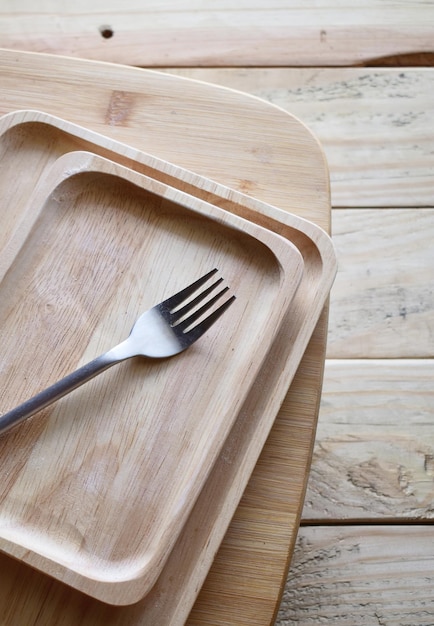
(359, 75)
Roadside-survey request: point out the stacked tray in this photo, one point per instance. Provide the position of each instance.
(110, 489)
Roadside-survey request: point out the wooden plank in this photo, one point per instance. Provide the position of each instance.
(374, 451)
(376, 126)
(361, 575)
(261, 32)
(382, 301)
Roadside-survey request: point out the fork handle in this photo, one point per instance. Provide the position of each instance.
(62, 387)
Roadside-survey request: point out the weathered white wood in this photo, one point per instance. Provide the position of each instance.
(351, 575)
(382, 302)
(374, 451)
(245, 33)
(376, 126)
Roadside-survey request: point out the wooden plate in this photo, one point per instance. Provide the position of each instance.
(35, 140)
(101, 484)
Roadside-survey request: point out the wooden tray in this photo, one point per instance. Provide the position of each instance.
(38, 139)
(115, 468)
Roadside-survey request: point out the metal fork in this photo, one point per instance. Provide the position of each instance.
(163, 331)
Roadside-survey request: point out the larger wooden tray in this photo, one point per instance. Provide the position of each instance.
(181, 577)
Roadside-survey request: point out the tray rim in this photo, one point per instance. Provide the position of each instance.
(217, 212)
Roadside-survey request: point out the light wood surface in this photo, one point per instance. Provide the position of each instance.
(375, 125)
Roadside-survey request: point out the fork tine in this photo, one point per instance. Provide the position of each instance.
(197, 314)
(178, 298)
(198, 330)
(180, 313)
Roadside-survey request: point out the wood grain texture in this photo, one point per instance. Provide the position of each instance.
(376, 126)
(382, 302)
(374, 451)
(372, 575)
(245, 34)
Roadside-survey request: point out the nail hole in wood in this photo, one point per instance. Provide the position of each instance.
(106, 32)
